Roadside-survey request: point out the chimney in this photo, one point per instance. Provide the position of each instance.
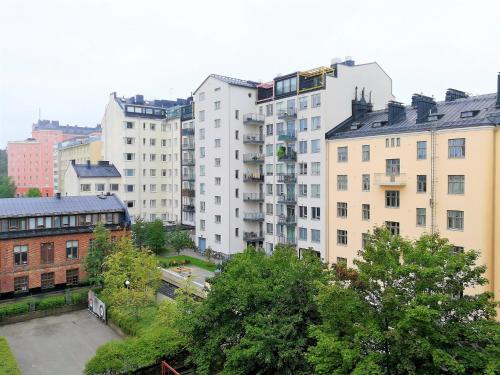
(88, 164)
(73, 161)
(360, 107)
(139, 99)
(396, 112)
(498, 90)
(452, 94)
(58, 195)
(424, 105)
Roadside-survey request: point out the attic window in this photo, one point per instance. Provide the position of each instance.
(379, 124)
(434, 117)
(468, 114)
(355, 125)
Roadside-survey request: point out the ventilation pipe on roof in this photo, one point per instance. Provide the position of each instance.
(88, 164)
(452, 94)
(58, 195)
(396, 112)
(424, 105)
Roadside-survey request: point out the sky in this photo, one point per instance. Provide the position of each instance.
(62, 58)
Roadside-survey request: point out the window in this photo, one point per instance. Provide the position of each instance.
(315, 100)
(341, 182)
(303, 234)
(217, 105)
(129, 188)
(302, 147)
(202, 224)
(285, 86)
(217, 143)
(316, 213)
(393, 227)
(269, 228)
(315, 146)
(129, 125)
(269, 189)
(236, 134)
(20, 284)
(218, 199)
(422, 150)
(202, 152)
(47, 253)
(129, 140)
(342, 261)
(99, 187)
(302, 103)
(85, 187)
(202, 188)
(455, 219)
(129, 156)
(341, 237)
(269, 208)
(392, 198)
(217, 180)
(269, 150)
(341, 209)
(421, 183)
(201, 134)
(364, 240)
(217, 162)
(342, 154)
(21, 255)
(218, 238)
(315, 191)
(236, 193)
(315, 168)
(365, 211)
(47, 280)
(303, 212)
(303, 168)
(71, 249)
(269, 109)
(421, 217)
(365, 185)
(269, 129)
(456, 184)
(201, 116)
(315, 123)
(236, 154)
(152, 142)
(202, 170)
(152, 127)
(456, 148)
(218, 219)
(315, 235)
(114, 187)
(392, 167)
(302, 190)
(202, 206)
(302, 125)
(236, 114)
(72, 277)
(365, 153)
(129, 172)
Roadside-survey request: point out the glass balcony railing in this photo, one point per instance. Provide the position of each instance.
(287, 114)
(390, 179)
(287, 199)
(253, 216)
(253, 139)
(287, 137)
(253, 197)
(287, 178)
(287, 240)
(253, 177)
(253, 119)
(253, 158)
(289, 156)
(287, 219)
(253, 236)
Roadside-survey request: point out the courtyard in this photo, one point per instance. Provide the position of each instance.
(57, 344)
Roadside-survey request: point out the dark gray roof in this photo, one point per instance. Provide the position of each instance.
(449, 116)
(235, 81)
(84, 171)
(23, 207)
(67, 129)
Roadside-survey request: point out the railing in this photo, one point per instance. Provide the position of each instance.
(253, 216)
(391, 179)
(188, 161)
(287, 137)
(188, 207)
(188, 146)
(286, 240)
(166, 369)
(287, 114)
(253, 158)
(288, 156)
(188, 177)
(253, 139)
(188, 131)
(287, 219)
(253, 197)
(187, 192)
(287, 178)
(253, 119)
(253, 177)
(253, 236)
(287, 199)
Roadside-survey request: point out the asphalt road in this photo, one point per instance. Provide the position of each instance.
(57, 345)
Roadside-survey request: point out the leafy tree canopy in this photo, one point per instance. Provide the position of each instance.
(179, 239)
(7, 187)
(101, 246)
(33, 193)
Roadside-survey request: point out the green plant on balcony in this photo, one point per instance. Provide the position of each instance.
(281, 152)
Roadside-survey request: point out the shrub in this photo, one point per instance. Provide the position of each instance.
(8, 364)
(79, 297)
(10, 309)
(51, 302)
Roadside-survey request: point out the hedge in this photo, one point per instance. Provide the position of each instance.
(8, 364)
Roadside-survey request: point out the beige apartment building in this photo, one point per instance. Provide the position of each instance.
(425, 168)
(79, 151)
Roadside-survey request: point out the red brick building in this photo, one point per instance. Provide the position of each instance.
(31, 162)
(44, 241)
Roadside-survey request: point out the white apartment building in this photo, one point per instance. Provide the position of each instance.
(91, 179)
(188, 166)
(142, 139)
(261, 152)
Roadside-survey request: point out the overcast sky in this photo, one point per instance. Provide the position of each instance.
(65, 57)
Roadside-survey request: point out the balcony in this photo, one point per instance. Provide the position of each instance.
(253, 119)
(188, 131)
(289, 199)
(287, 219)
(287, 240)
(188, 146)
(187, 192)
(290, 156)
(253, 197)
(253, 177)
(253, 139)
(392, 179)
(188, 207)
(287, 178)
(287, 137)
(253, 216)
(253, 158)
(187, 161)
(188, 177)
(287, 114)
(253, 236)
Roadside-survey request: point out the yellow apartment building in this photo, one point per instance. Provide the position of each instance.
(424, 168)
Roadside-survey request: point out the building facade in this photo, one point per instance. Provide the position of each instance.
(144, 145)
(188, 163)
(43, 241)
(31, 162)
(92, 179)
(432, 167)
(80, 151)
(261, 154)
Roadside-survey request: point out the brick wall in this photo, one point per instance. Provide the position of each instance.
(34, 268)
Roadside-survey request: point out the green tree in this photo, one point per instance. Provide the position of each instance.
(178, 239)
(131, 277)
(33, 193)
(7, 187)
(155, 238)
(101, 246)
(3, 163)
(209, 253)
(139, 232)
(255, 319)
(404, 312)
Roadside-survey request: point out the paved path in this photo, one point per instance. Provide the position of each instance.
(194, 254)
(57, 345)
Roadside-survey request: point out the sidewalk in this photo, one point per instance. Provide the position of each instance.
(194, 254)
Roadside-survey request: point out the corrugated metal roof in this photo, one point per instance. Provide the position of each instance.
(84, 171)
(235, 81)
(449, 117)
(23, 207)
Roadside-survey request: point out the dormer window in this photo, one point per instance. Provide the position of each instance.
(468, 114)
(355, 125)
(434, 117)
(379, 124)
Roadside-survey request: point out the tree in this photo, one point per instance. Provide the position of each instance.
(33, 193)
(139, 232)
(7, 187)
(100, 247)
(404, 312)
(178, 239)
(131, 277)
(155, 238)
(255, 319)
(209, 253)
(3, 163)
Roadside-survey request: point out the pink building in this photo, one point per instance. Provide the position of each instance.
(31, 161)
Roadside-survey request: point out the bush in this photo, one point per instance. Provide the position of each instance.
(10, 309)
(79, 297)
(8, 363)
(51, 302)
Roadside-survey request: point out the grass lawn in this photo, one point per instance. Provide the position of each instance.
(165, 259)
(8, 364)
